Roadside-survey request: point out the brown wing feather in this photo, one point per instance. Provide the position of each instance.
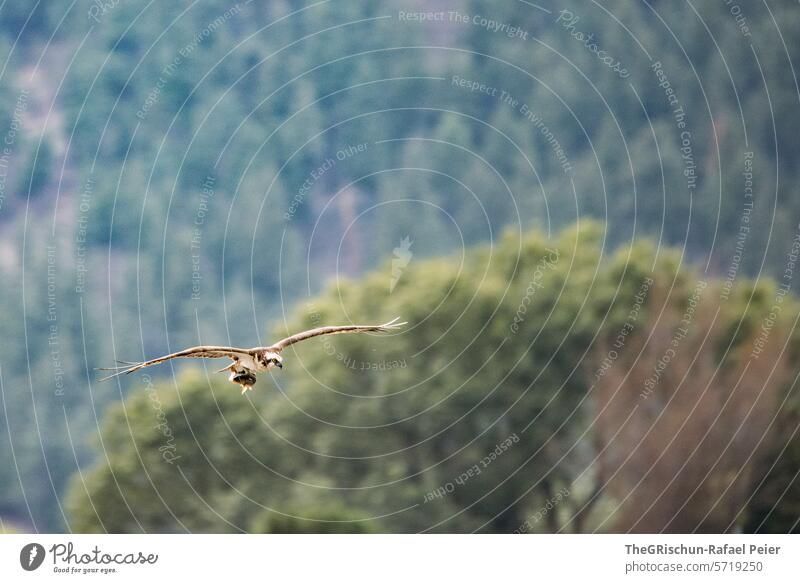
(388, 326)
(194, 352)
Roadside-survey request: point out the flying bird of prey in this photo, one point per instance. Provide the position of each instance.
(249, 361)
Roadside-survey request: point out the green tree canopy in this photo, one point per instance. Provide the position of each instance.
(473, 418)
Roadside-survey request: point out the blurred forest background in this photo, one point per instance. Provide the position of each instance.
(597, 267)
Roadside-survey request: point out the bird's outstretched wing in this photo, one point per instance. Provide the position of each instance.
(194, 352)
(388, 326)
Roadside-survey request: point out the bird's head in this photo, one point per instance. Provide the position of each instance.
(271, 359)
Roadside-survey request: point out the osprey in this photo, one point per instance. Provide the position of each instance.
(249, 361)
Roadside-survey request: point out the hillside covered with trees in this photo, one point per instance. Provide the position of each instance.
(176, 173)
